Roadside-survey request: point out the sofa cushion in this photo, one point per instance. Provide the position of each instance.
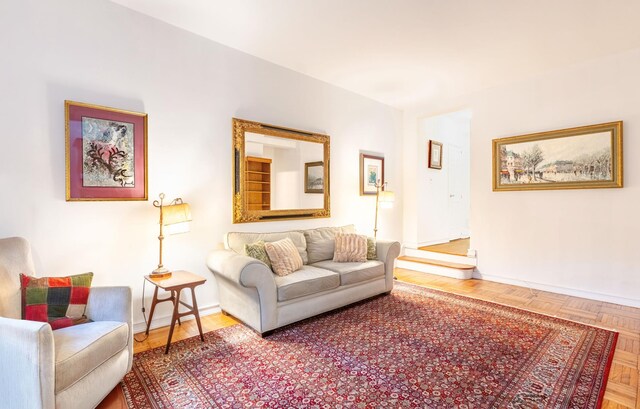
(256, 250)
(236, 241)
(60, 301)
(351, 273)
(372, 252)
(82, 348)
(350, 248)
(307, 280)
(284, 257)
(321, 241)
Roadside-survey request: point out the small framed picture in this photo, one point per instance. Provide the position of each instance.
(435, 155)
(106, 153)
(314, 177)
(371, 173)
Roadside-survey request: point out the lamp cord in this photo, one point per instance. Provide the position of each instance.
(144, 314)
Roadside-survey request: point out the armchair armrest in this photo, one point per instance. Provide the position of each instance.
(387, 252)
(27, 357)
(112, 304)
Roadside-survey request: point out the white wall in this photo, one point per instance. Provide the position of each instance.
(99, 52)
(580, 242)
(435, 216)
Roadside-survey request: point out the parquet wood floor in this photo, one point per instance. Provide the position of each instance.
(623, 387)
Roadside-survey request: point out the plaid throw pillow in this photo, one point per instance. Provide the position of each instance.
(60, 301)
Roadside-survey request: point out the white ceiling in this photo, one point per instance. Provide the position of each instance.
(405, 52)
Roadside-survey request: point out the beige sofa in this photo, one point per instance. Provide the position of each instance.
(264, 301)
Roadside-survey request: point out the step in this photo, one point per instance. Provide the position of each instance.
(452, 258)
(440, 267)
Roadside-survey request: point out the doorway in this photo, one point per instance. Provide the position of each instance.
(444, 194)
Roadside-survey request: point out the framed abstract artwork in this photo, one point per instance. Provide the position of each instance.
(371, 173)
(435, 155)
(584, 157)
(314, 177)
(106, 153)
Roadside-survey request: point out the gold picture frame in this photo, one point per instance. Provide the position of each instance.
(584, 157)
(105, 153)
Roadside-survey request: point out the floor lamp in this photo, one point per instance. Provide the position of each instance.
(176, 216)
(384, 199)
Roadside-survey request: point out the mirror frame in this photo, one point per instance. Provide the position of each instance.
(240, 212)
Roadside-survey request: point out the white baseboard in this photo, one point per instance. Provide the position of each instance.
(164, 321)
(560, 290)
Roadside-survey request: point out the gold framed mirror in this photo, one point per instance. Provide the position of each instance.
(271, 177)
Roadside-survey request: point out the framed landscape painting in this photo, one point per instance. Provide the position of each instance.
(371, 173)
(106, 153)
(314, 177)
(585, 157)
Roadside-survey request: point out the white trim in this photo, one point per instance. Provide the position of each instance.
(560, 290)
(165, 321)
(433, 242)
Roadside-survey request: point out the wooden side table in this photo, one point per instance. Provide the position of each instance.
(178, 281)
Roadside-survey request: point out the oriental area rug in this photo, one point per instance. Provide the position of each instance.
(415, 348)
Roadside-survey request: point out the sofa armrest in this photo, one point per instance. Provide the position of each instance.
(387, 252)
(27, 357)
(112, 304)
(242, 270)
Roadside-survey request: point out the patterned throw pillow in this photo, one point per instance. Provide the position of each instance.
(60, 301)
(372, 253)
(284, 257)
(350, 248)
(257, 251)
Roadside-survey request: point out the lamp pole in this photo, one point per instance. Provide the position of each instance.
(375, 226)
(159, 204)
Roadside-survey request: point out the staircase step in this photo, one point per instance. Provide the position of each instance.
(440, 263)
(430, 255)
(433, 266)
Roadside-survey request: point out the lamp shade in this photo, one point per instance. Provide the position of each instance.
(177, 213)
(386, 199)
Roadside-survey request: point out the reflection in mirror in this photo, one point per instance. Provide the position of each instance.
(280, 173)
(286, 181)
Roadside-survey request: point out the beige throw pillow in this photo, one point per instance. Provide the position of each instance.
(284, 257)
(350, 248)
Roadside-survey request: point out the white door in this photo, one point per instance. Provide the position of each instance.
(458, 192)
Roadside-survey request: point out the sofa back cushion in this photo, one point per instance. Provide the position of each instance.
(321, 242)
(236, 241)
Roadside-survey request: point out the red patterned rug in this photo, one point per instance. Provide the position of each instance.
(417, 348)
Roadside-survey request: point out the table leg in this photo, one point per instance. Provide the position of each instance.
(174, 318)
(153, 308)
(173, 294)
(195, 312)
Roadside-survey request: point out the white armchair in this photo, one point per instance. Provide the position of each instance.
(73, 367)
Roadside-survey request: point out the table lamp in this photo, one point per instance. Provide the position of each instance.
(176, 217)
